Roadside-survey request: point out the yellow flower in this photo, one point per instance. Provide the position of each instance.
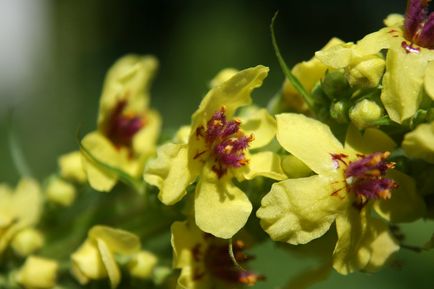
(127, 128)
(38, 273)
(205, 261)
(349, 181)
(95, 257)
(142, 265)
(216, 152)
(27, 241)
(18, 210)
(409, 74)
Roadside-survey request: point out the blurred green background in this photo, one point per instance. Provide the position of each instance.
(54, 55)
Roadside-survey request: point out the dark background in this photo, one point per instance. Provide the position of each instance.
(78, 40)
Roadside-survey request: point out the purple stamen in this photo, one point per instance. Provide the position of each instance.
(426, 36)
(224, 141)
(415, 15)
(120, 128)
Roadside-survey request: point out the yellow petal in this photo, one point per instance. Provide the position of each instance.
(71, 167)
(182, 135)
(169, 172)
(297, 211)
(402, 83)
(338, 56)
(266, 164)
(144, 141)
(262, 125)
(118, 241)
(419, 143)
(405, 205)
(232, 94)
(364, 243)
(376, 41)
(222, 76)
(104, 151)
(27, 202)
(366, 72)
(109, 262)
(87, 263)
(185, 236)
(429, 79)
(221, 208)
(309, 140)
(294, 168)
(127, 80)
(369, 141)
(27, 241)
(365, 113)
(349, 254)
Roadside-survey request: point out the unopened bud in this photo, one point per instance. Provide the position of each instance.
(366, 73)
(142, 265)
(339, 111)
(40, 273)
(364, 113)
(335, 85)
(27, 241)
(60, 192)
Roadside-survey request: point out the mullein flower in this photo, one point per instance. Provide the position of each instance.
(127, 128)
(95, 259)
(216, 152)
(350, 180)
(19, 210)
(205, 262)
(38, 273)
(409, 42)
(27, 241)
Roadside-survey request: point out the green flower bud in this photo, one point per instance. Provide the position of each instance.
(38, 273)
(27, 242)
(339, 111)
(419, 143)
(60, 192)
(294, 168)
(142, 265)
(364, 113)
(335, 85)
(367, 72)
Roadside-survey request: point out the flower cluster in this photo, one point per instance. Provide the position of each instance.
(341, 156)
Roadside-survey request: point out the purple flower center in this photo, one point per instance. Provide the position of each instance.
(418, 25)
(120, 127)
(219, 265)
(365, 177)
(224, 142)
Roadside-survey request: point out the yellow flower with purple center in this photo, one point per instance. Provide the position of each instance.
(216, 151)
(350, 180)
(127, 129)
(409, 71)
(205, 262)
